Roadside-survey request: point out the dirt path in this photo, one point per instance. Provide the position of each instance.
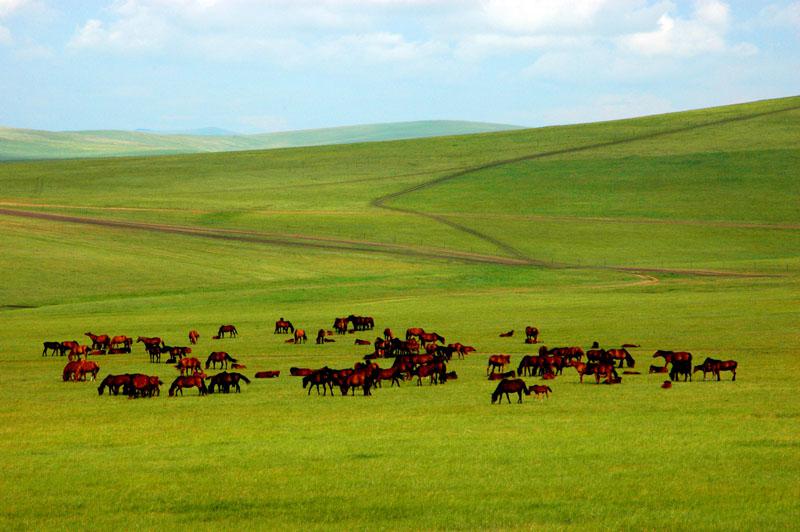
(382, 202)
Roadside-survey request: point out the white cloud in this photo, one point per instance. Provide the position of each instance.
(9, 6)
(705, 31)
(531, 16)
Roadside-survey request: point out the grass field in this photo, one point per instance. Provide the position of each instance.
(674, 232)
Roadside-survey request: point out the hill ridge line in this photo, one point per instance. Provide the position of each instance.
(380, 202)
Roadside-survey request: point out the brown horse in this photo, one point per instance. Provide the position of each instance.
(509, 386)
(219, 356)
(361, 323)
(497, 362)
(357, 379)
(681, 367)
(101, 341)
(229, 329)
(148, 341)
(340, 325)
(300, 336)
(532, 334)
(673, 356)
(414, 331)
(85, 367)
(658, 369)
(268, 374)
(508, 334)
(622, 355)
(113, 383)
(69, 370)
(141, 385)
(193, 336)
(500, 376)
(300, 372)
(283, 326)
(189, 363)
(362, 342)
(321, 377)
(394, 374)
(541, 390)
(224, 381)
(190, 381)
(388, 334)
(76, 352)
(321, 336)
(462, 349)
(714, 366)
(121, 340)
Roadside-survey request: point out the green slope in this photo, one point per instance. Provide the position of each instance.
(678, 231)
(19, 144)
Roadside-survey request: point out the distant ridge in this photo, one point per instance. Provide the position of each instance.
(30, 144)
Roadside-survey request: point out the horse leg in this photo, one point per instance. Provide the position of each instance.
(734, 374)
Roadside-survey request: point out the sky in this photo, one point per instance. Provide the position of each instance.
(273, 65)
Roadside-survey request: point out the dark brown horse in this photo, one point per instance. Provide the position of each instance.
(55, 347)
(361, 323)
(188, 381)
(220, 357)
(362, 342)
(357, 379)
(622, 355)
(321, 336)
(394, 374)
(113, 383)
(658, 369)
(141, 385)
(268, 374)
(532, 334)
(507, 387)
(500, 376)
(189, 363)
(230, 330)
(508, 334)
(681, 367)
(714, 366)
(340, 325)
(388, 334)
(283, 326)
(321, 377)
(193, 337)
(225, 381)
(300, 372)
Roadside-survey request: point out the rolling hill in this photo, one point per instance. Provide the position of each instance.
(677, 231)
(23, 144)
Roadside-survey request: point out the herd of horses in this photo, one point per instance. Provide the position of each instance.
(419, 353)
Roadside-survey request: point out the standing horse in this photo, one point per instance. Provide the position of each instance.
(340, 325)
(230, 329)
(148, 342)
(56, 347)
(320, 336)
(102, 341)
(186, 364)
(283, 326)
(622, 355)
(224, 381)
(219, 356)
(508, 386)
(714, 366)
(85, 367)
(121, 340)
(532, 334)
(193, 336)
(300, 336)
(497, 362)
(539, 390)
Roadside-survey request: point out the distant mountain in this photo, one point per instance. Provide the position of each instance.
(21, 144)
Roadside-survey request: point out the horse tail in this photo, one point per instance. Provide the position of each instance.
(291, 327)
(245, 379)
(230, 358)
(549, 389)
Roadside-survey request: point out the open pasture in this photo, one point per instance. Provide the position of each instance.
(685, 240)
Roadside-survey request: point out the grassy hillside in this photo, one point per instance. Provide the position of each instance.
(673, 232)
(23, 144)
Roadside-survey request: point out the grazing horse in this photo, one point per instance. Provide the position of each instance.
(219, 356)
(121, 340)
(508, 386)
(102, 341)
(497, 362)
(394, 374)
(230, 329)
(86, 367)
(193, 336)
(188, 381)
(357, 379)
(268, 374)
(569, 353)
(69, 370)
(361, 323)
(76, 352)
(300, 336)
(283, 326)
(435, 371)
(189, 363)
(622, 355)
(532, 334)
(508, 334)
(414, 331)
(141, 385)
(321, 336)
(56, 347)
(714, 366)
(500, 376)
(224, 381)
(541, 390)
(113, 383)
(340, 325)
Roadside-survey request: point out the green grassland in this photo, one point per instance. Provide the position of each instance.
(26, 144)
(677, 231)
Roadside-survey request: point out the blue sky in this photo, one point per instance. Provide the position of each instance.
(270, 65)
